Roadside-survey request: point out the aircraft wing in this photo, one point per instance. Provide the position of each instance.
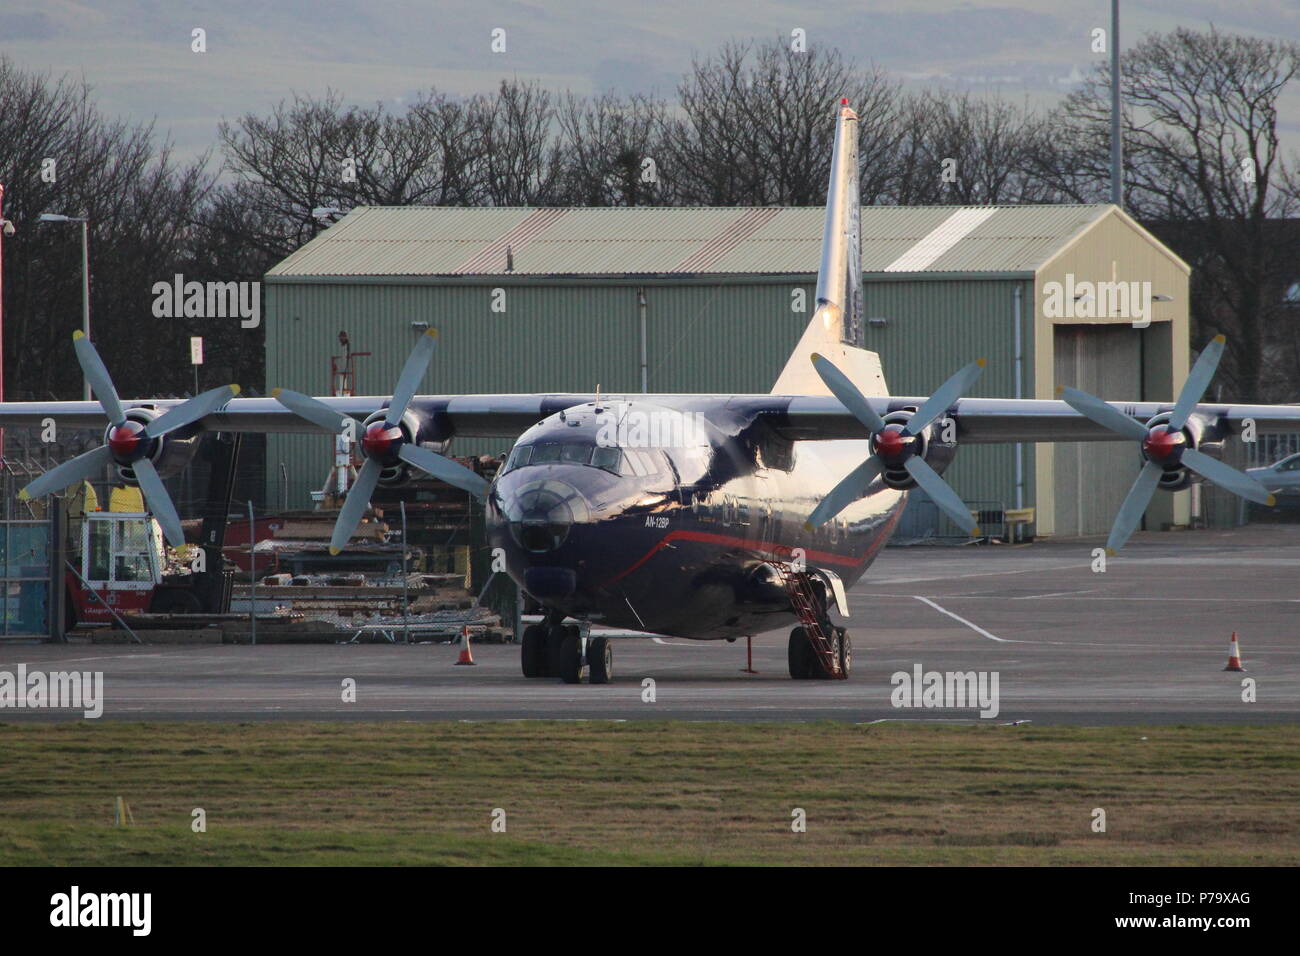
(980, 421)
(489, 416)
(985, 421)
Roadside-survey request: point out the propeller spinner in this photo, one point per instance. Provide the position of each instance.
(895, 445)
(1165, 445)
(384, 443)
(129, 442)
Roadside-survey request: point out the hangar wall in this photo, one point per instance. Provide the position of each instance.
(571, 337)
(553, 337)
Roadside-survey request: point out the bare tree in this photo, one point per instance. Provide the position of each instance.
(519, 152)
(1204, 168)
(609, 148)
(62, 156)
(958, 148)
(755, 127)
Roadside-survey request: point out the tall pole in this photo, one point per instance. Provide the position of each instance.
(406, 604)
(85, 294)
(252, 564)
(1116, 147)
(2, 314)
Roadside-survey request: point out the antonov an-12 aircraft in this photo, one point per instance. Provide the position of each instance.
(704, 516)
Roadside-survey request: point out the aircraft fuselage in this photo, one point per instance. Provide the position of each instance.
(663, 519)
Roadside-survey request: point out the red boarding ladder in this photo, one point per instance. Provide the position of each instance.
(804, 602)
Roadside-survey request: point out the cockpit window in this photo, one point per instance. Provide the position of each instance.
(642, 463)
(569, 453)
(518, 458)
(629, 462)
(608, 458)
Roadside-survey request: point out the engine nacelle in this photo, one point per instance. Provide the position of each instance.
(170, 453)
(412, 425)
(936, 444)
(1198, 435)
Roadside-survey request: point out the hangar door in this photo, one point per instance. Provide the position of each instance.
(1092, 478)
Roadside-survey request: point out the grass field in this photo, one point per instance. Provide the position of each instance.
(669, 793)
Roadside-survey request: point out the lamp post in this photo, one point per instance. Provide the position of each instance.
(1116, 143)
(85, 276)
(6, 230)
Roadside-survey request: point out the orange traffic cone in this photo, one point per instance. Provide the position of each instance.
(1234, 655)
(466, 654)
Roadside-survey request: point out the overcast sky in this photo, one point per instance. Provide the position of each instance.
(137, 53)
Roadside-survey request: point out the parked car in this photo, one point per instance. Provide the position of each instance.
(1281, 477)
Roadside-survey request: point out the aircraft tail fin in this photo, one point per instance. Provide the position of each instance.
(836, 329)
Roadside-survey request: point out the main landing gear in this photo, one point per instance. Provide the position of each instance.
(554, 649)
(806, 664)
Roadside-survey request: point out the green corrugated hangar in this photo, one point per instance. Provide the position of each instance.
(714, 299)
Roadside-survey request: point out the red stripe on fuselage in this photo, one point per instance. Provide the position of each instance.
(748, 545)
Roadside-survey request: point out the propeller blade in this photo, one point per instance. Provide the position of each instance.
(313, 410)
(943, 496)
(1227, 477)
(849, 490)
(160, 503)
(1198, 380)
(191, 411)
(944, 397)
(1093, 408)
(848, 394)
(417, 363)
(354, 505)
(92, 366)
(1134, 506)
(88, 465)
(444, 469)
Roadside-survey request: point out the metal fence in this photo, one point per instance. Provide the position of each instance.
(1222, 509)
(25, 577)
(924, 523)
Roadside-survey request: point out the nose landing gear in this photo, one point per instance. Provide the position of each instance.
(560, 650)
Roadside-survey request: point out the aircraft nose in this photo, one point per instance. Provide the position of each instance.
(542, 513)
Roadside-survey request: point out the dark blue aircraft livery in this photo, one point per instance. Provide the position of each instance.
(701, 516)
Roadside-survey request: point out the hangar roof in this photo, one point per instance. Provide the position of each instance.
(449, 241)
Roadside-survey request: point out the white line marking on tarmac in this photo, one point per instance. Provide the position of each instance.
(1028, 597)
(977, 574)
(1035, 597)
(974, 627)
(922, 720)
(69, 660)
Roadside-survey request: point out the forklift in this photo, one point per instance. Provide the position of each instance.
(123, 561)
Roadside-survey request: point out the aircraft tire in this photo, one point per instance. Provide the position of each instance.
(800, 655)
(554, 644)
(846, 652)
(818, 670)
(570, 656)
(533, 652)
(600, 658)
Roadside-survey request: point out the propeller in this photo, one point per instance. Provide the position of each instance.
(1165, 445)
(384, 443)
(894, 445)
(128, 442)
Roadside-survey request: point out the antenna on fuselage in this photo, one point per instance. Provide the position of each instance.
(598, 409)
